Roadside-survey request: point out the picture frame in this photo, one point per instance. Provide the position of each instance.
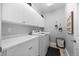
(70, 23)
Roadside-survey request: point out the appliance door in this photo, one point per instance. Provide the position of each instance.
(44, 43)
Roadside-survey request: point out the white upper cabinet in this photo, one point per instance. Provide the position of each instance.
(21, 13)
(12, 12)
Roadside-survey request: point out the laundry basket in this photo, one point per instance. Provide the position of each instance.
(60, 42)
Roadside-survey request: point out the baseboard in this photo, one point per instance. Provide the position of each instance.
(66, 52)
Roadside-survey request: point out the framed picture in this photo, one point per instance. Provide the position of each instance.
(70, 23)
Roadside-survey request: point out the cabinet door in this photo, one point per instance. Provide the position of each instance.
(47, 42)
(12, 12)
(33, 47)
(33, 17)
(19, 50)
(36, 47)
(42, 46)
(25, 49)
(21, 13)
(44, 43)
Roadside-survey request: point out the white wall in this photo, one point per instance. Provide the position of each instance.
(50, 21)
(69, 44)
(61, 16)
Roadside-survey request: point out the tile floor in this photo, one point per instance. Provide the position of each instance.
(62, 51)
(53, 52)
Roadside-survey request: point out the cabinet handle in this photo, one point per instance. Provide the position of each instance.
(30, 48)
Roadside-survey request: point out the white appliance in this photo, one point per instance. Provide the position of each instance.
(43, 43)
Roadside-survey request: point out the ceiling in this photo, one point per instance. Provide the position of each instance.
(44, 8)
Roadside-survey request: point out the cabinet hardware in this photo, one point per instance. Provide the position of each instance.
(30, 48)
(73, 41)
(23, 22)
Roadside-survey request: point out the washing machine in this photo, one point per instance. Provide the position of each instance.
(43, 43)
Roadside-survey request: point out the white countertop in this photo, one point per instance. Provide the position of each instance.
(43, 32)
(7, 43)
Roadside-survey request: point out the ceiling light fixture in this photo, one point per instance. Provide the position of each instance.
(49, 4)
